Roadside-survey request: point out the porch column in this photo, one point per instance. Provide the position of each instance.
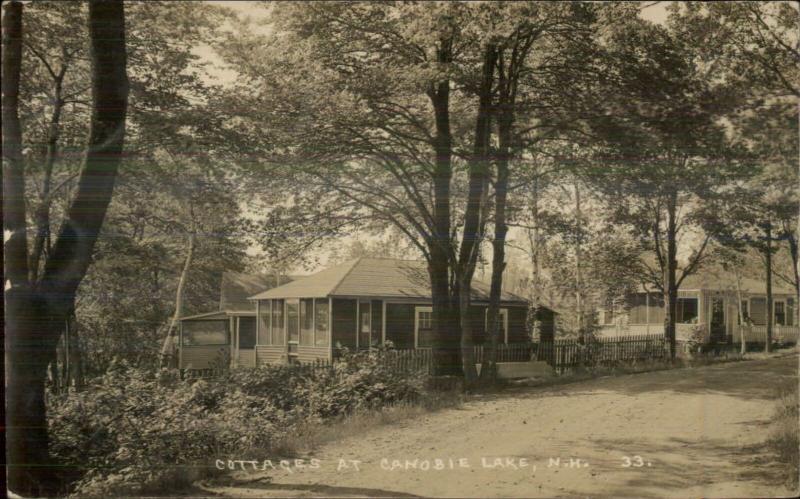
(358, 319)
(330, 328)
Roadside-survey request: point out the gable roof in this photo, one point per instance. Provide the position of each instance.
(372, 277)
(236, 288)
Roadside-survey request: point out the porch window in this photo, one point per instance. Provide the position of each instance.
(745, 311)
(502, 319)
(247, 332)
(321, 337)
(307, 322)
(424, 327)
(646, 308)
(780, 313)
(790, 312)
(687, 310)
(264, 316)
(204, 333)
(278, 337)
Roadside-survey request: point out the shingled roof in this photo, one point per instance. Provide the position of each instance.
(372, 277)
(236, 288)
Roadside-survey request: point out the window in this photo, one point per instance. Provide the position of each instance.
(264, 318)
(307, 322)
(608, 313)
(646, 308)
(502, 319)
(758, 311)
(204, 333)
(321, 338)
(278, 337)
(424, 323)
(780, 313)
(790, 311)
(745, 312)
(364, 324)
(687, 310)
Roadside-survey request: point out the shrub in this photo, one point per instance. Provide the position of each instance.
(784, 440)
(133, 431)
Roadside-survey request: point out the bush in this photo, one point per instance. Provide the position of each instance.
(784, 440)
(134, 431)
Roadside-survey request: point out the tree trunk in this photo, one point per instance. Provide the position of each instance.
(445, 352)
(768, 270)
(35, 316)
(535, 244)
(670, 281)
(473, 220)
(168, 348)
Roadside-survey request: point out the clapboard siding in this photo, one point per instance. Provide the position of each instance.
(204, 357)
(310, 354)
(270, 354)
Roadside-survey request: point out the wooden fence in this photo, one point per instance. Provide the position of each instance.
(564, 355)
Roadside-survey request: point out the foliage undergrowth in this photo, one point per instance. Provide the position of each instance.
(783, 439)
(138, 432)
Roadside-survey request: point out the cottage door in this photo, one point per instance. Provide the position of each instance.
(364, 324)
(717, 323)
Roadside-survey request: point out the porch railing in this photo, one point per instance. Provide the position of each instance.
(758, 334)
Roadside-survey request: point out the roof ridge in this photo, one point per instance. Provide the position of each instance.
(349, 271)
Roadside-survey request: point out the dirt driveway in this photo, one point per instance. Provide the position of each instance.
(681, 433)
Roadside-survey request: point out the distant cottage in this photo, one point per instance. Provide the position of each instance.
(359, 304)
(707, 301)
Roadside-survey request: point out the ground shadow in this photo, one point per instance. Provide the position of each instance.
(320, 490)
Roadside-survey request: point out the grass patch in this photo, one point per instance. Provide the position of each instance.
(311, 434)
(783, 439)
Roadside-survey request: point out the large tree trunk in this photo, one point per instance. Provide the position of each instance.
(446, 354)
(768, 270)
(670, 281)
(168, 348)
(35, 316)
(473, 215)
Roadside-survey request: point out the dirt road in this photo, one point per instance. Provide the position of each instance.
(680, 433)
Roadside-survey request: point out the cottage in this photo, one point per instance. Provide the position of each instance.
(226, 336)
(708, 303)
(361, 304)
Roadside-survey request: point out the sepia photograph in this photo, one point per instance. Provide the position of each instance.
(445, 249)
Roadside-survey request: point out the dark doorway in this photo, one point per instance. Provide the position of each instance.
(717, 323)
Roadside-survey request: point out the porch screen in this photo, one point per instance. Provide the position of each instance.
(790, 311)
(321, 336)
(758, 311)
(247, 332)
(278, 337)
(204, 333)
(307, 322)
(264, 313)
